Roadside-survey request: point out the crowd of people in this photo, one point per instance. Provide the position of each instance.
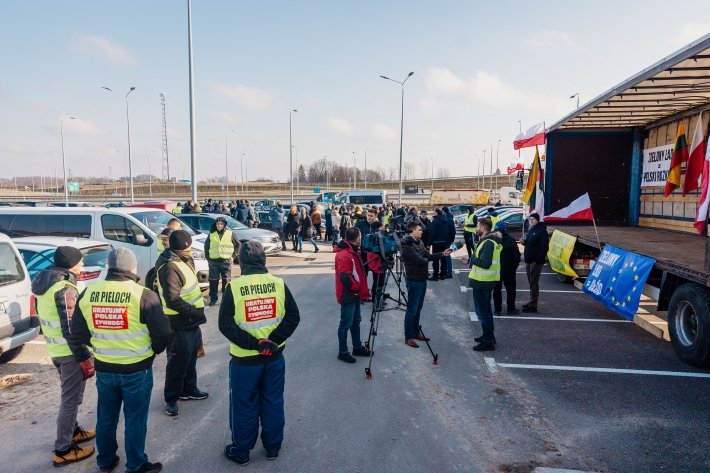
(243, 210)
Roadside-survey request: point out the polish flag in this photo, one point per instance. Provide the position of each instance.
(580, 209)
(535, 135)
(694, 168)
(704, 201)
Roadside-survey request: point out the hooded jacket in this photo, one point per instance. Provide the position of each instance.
(235, 242)
(151, 315)
(350, 278)
(416, 259)
(439, 231)
(171, 282)
(277, 217)
(536, 244)
(509, 256)
(484, 259)
(66, 302)
(251, 263)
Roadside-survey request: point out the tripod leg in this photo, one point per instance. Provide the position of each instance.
(426, 340)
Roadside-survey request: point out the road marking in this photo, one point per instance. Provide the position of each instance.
(565, 319)
(464, 288)
(37, 342)
(473, 316)
(491, 364)
(681, 374)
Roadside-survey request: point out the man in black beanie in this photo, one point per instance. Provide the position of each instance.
(536, 243)
(57, 293)
(184, 305)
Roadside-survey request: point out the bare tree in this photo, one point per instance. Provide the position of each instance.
(408, 170)
(424, 169)
(443, 173)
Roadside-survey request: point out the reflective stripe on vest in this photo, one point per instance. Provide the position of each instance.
(259, 307)
(190, 291)
(221, 248)
(49, 320)
(469, 221)
(492, 273)
(112, 312)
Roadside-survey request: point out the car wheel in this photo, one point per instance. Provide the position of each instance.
(11, 354)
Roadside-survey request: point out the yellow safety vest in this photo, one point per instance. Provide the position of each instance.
(221, 248)
(159, 243)
(177, 210)
(112, 310)
(469, 221)
(57, 345)
(388, 216)
(492, 273)
(190, 291)
(259, 307)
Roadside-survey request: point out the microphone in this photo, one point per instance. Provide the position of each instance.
(457, 245)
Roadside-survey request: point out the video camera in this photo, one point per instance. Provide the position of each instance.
(383, 243)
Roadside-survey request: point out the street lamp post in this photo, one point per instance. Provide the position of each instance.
(226, 166)
(245, 175)
(401, 132)
(483, 170)
(365, 168)
(575, 95)
(354, 170)
(432, 177)
(497, 163)
(128, 129)
(290, 149)
(64, 161)
(520, 127)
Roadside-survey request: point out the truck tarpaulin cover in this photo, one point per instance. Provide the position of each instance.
(617, 280)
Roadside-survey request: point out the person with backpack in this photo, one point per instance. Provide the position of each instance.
(509, 261)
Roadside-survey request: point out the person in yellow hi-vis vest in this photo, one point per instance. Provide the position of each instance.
(125, 324)
(184, 305)
(257, 315)
(485, 272)
(469, 229)
(57, 294)
(221, 248)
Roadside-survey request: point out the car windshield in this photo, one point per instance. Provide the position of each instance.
(157, 220)
(96, 255)
(10, 267)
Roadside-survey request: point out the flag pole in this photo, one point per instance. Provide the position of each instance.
(597, 233)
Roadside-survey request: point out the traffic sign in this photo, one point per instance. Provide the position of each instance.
(73, 186)
(316, 190)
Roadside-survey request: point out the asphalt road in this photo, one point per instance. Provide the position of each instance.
(471, 413)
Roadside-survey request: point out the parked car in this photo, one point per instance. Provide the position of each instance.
(113, 205)
(265, 220)
(203, 223)
(38, 254)
(513, 223)
(18, 320)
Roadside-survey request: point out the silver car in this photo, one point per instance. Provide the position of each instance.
(203, 223)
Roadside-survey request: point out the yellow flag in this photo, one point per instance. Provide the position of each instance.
(529, 196)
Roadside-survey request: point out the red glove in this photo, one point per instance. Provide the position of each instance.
(87, 367)
(266, 347)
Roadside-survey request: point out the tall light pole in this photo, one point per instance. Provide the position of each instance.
(226, 166)
(432, 176)
(365, 168)
(193, 145)
(483, 170)
(354, 170)
(327, 174)
(243, 162)
(128, 129)
(401, 132)
(497, 163)
(64, 161)
(290, 149)
(575, 95)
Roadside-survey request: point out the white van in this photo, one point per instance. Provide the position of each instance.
(133, 228)
(377, 198)
(18, 322)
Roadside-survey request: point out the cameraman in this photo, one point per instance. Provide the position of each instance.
(373, 261)
(416, 259)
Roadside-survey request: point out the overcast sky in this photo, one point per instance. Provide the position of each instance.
(479, 68)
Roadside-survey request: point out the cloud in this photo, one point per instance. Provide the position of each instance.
(384, 133)
(105, 50)
(550, 40)
(249, 97)
(340, 126)
(432, 136)
(224, 118)
(430, 104)
(81, 127)
(692, 31)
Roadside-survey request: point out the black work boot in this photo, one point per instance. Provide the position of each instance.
(214, 285)
(225, 281)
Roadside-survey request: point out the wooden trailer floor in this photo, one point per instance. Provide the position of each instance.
(680, 252)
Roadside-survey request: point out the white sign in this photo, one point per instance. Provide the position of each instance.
(656, 164)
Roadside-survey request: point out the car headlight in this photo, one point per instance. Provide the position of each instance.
(264, 239)
(198, 254)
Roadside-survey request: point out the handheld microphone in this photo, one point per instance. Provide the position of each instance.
(457, 245)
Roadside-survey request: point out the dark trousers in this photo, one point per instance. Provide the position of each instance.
(256, 394)
(328, 232)
(72, 378)
(439, 264)
(218, 269)
(468, 239)
(181, 372)
(509, 281)
(533, 271)
(416, 291)
(319, 231)
(482, 303)
(349, 322)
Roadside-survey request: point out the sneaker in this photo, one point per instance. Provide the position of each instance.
(238, 461)
(480, 339)
(149, 467)
(171, 409)
(513, 311)
(112, 466)
(272, 455)
(75, 453)
(362, 351)
(485, 346)
(196, 395)
(81, 435)
(346, 357)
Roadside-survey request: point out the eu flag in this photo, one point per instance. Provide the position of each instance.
(617, 280)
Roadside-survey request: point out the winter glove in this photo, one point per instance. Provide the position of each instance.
(266, 347)
(87, 367)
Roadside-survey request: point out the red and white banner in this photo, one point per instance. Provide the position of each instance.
(514, 167)
(704, 201)
(580, 209)
(535, 135)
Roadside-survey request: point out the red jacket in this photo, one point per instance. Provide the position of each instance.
(350, 279)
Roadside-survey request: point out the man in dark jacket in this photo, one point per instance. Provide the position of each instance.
(221, 248)
(276, 215)
(350, 289)
(485, 272)
(536, 243)
(258, 313)
(57, 293)
(439, 235)
(509, 261)
(124, 357)
(416, 259)
(183, 303)
(451, 237)
(373, 261)
(242, 212)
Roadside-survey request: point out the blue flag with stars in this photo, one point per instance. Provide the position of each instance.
(617, 280)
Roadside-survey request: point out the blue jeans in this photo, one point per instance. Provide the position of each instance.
(133, 391)
(349, 320)
(256, 392)
(416, 290)
(300, 242)
(482, 303)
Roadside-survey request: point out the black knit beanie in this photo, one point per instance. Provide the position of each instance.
(180, 240)
(67, 257)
